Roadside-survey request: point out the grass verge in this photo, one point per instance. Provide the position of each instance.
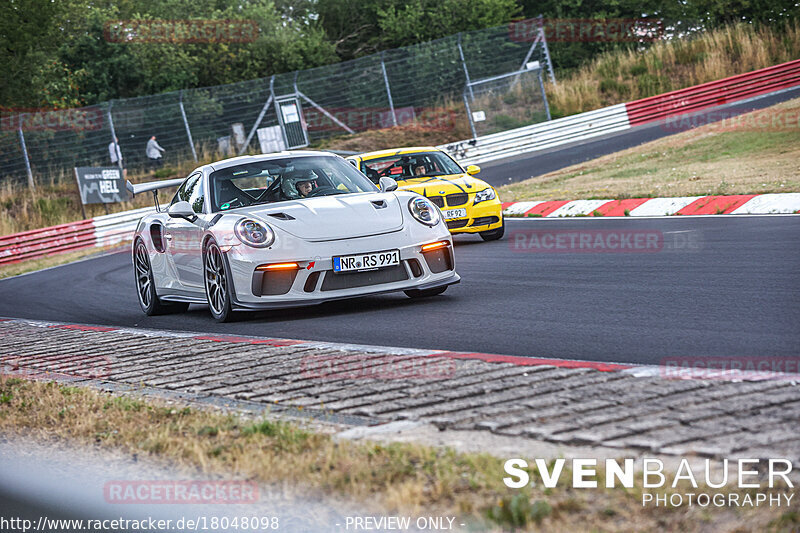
(740, 156)
(403, 478)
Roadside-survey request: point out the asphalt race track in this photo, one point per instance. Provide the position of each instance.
(524, 166)
(721, 286)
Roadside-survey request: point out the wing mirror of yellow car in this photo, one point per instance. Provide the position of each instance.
(473, 169)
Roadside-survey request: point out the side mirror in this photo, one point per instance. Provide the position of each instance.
(182, 210)
(473, 169)
(387, 184)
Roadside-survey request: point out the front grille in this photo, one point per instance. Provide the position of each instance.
(455, 224)
(350, 280)
(438, 200)
(485, 221)
(459, 198)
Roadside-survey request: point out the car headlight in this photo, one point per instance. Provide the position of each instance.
(424, 211)
(485, 194)
(254, 233)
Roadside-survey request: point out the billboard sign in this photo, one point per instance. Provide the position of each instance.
(101, 185)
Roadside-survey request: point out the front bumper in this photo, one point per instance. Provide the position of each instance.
(315, 282)
(277, 303)
(485, 216)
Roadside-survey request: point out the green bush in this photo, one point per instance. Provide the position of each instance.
(505, 122)
(162, 173)
(638, 69)
(51, 208)
(518, 511)
(651, 84)
(612, 86)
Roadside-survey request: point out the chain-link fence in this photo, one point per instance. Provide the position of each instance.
(421, 84)
(506, 101)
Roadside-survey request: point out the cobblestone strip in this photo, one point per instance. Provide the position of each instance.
(562, 404)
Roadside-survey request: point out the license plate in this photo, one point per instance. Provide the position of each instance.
(454, 213)
(370, 261)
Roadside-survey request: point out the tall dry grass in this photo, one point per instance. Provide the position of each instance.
(668, 65)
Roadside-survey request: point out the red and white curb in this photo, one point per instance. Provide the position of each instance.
(740, 204)
(635, 370)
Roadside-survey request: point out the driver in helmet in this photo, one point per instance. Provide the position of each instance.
(298, 184)
(305, 188)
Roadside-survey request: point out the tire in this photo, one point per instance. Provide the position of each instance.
(495, 234)
(426, 293)
(146, 287)
(217, 283)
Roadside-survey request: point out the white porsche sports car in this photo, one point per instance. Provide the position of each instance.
(286, 229)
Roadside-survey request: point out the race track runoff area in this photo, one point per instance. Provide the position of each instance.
(368, 390)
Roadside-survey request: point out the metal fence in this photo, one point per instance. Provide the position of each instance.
(506, 101)
(421, 84)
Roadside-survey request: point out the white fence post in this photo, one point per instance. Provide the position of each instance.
(388, 90)
(464, 65)
(186, 125)
(25, 154)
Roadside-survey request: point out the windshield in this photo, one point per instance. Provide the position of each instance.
(408, 166)
(278, 180)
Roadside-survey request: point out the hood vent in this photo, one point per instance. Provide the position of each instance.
(379, 204)
(281, 216)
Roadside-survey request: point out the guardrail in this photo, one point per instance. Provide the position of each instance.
(105, 230)
(621, 117)
(714, 93)
(541, 136)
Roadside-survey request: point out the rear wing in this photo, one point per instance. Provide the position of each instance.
(152, 186)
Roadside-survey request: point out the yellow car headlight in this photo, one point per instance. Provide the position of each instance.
(484, 195)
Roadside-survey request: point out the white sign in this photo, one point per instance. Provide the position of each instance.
(270, 139)
(533, 65)
(237, 132)
(478, 116)
(290, 113)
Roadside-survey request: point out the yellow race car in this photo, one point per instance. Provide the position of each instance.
(469, 205)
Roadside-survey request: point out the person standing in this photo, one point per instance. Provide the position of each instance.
(153, 152)
(115, 154)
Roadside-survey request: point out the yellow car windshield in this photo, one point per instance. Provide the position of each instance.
(410, 166)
